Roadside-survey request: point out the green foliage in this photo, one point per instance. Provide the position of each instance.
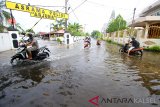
(116, 24)
(87, 34)
(75, 29)
(4, 15)
(155, 48)
(96, 34)
(30, 30)
(20, 29)
(58, 25)
(112, 42)
(59, 40)
(1, 28)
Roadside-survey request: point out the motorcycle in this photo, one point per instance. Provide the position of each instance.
(98, 43)
(21, 54)
(136, 51)
(87, 44)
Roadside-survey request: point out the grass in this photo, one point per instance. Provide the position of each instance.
(155, 48)
(112, 42)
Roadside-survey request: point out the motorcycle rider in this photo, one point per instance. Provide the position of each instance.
(135, 45)
(88, 40)
(33, 43)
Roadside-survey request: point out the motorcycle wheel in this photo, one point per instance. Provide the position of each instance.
(14, 60)
(121, 50)
(139, 53)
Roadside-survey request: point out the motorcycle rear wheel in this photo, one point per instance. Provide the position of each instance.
(139, 53)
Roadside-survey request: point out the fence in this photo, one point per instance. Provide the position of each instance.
(123, 36)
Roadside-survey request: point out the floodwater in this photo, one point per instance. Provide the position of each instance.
(72, 75)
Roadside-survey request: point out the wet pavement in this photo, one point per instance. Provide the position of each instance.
(72, 75)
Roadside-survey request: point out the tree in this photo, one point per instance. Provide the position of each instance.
(58, 25)
(96, 34)
(75, 29)
(30, 30)
(116, 24)
(4, 15)
(18, 26)
(87, 34)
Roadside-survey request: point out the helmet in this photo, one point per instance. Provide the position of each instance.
(133, 38)
(30, 35)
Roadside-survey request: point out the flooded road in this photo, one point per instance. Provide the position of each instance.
(73, 75)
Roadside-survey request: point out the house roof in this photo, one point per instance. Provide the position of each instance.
(58, 32)
(42, 33)
(150, 8)
(141, 21)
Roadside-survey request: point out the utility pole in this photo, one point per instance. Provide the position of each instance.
(66, 10)
(133, 15)
(12, 18)
(133, 21)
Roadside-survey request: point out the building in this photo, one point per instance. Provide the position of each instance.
(149, 19)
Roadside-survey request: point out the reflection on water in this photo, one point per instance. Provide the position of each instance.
(147, 68)
(26, 78)
(76, 73)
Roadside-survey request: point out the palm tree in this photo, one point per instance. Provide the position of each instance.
(30, 30)
(18, 26)
(54, 27)
(59, 25)
(4, 15)
(75, 28)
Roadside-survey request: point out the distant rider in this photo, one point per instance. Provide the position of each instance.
(135, 45)
(33, 43)
(88, 40)
(98, 42)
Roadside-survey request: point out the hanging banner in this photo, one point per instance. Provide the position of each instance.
(36, 11)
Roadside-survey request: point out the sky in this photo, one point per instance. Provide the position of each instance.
(92, 14)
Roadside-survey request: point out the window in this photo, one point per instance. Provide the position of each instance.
(158, 14)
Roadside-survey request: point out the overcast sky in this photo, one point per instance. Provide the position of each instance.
(92, 14)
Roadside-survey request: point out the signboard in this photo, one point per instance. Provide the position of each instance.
(36, 11)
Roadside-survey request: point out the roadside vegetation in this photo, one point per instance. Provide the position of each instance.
(59, 40)
(116, 24)
(4, 16)
(155, 48)
(96, 34)
(112, 42)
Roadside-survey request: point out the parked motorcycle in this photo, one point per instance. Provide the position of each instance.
(137, 51)
(21, 54)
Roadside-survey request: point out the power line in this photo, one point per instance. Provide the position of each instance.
(78, 6)
(74, 13)
(106, 6)
(47, 6)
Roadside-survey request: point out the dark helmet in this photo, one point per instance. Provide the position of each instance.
(30, 35)
(133, 38)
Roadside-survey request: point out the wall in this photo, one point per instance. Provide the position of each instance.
(144, 42)
(68, 39)
(5, 43)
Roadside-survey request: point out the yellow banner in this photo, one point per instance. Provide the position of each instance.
(45, 16)
(36, 11)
